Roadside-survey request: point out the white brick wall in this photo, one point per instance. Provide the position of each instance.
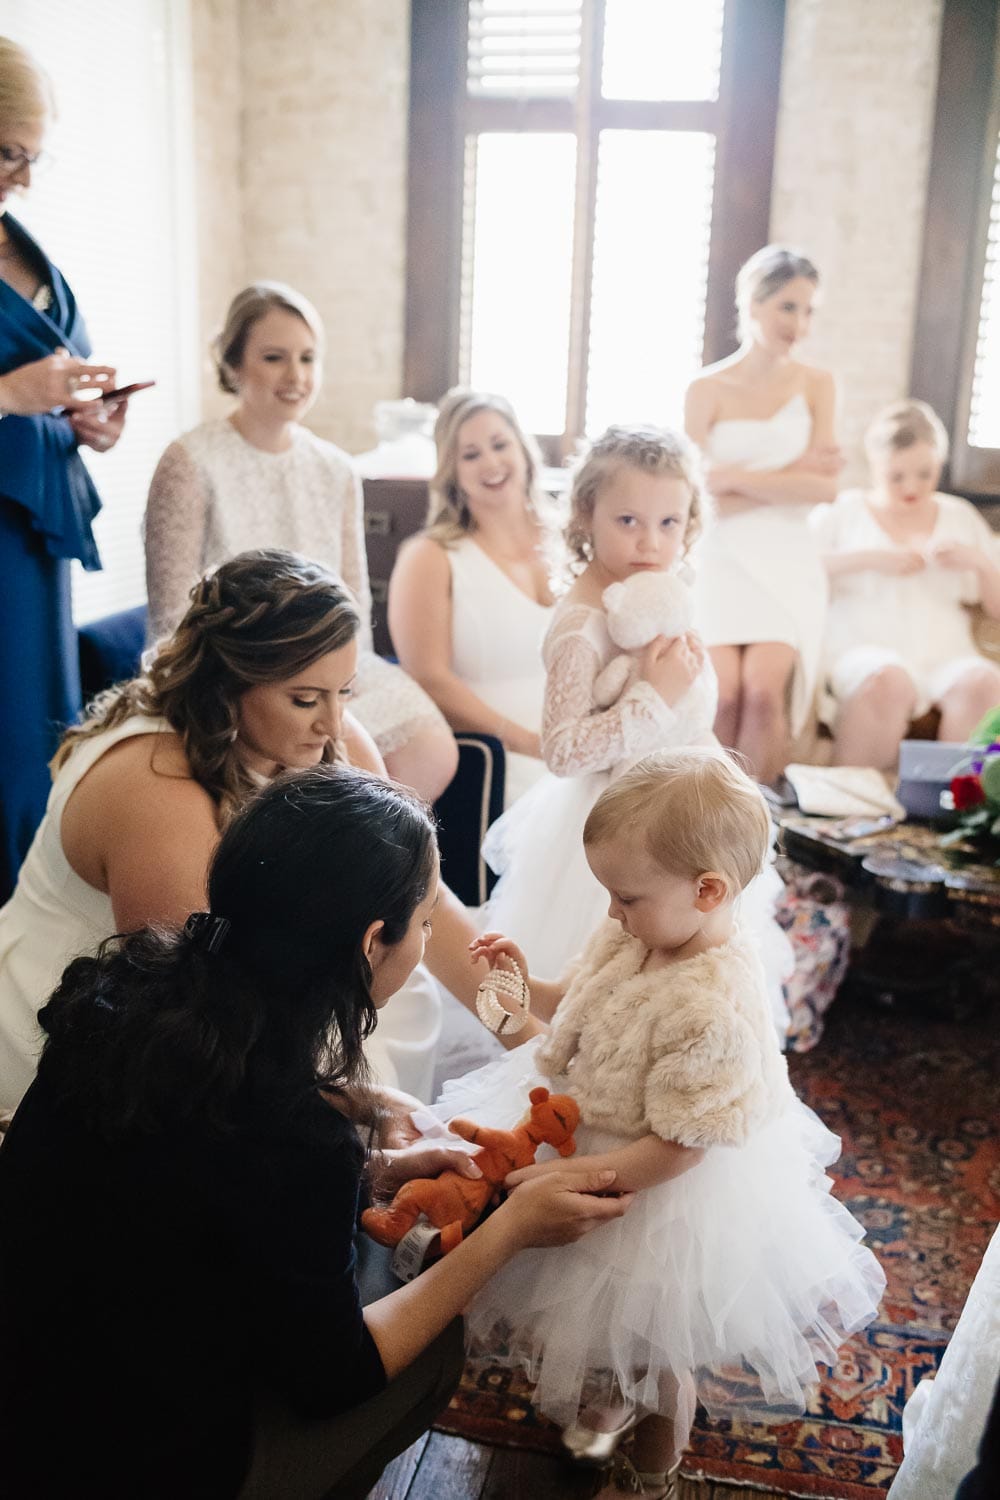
(301, 117)
(217, 91)
(854, 127)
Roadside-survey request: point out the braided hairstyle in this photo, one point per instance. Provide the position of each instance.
(262, 616)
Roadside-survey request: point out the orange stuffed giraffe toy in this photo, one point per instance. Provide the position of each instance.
(454, 1204)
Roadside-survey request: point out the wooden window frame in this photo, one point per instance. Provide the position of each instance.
(959, 186)
(743, 119)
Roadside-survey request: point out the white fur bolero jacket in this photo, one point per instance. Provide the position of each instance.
(688, 1053)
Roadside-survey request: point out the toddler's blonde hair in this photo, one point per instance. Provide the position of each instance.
(652, 450)
(695, 810)
(904, 424)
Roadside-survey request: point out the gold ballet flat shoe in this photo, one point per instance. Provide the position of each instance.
(588, 1445)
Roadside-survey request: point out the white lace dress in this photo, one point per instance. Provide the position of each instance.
(547, 898)
(496, 648)
(54, 916)
(760, 576)
(943, 1420)
(214, 494)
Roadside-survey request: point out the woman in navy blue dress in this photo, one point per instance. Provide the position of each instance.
(47, 498)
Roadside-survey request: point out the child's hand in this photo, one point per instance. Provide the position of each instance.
(956, 557)
(493, 946)
(899, 563)
(671, 666)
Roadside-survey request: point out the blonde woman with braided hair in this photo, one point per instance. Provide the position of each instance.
(255, 680)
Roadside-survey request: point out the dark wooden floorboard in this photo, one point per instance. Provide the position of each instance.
(440, 1467)
(518, 1475)
(397, 1478)
(449, 1469)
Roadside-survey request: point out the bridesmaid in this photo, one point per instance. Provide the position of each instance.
(765, 423)
(471, 597)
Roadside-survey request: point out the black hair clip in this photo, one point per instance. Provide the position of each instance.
(207, 931)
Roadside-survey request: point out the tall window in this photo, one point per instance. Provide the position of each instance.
(586, 177)
(113, 213)
(956, 349)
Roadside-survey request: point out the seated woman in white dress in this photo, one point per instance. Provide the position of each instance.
(905, 565)
(256, 679)
(471, 598)
(765, 423)
(258, 478)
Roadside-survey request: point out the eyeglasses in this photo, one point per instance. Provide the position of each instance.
(14, 160)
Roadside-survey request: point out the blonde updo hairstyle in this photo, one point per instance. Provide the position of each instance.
(694, 811)
(26, 95)
(448, 515)
(903, 425)
(651, 450)
(247, 308)
(764, 274)
(263, 616)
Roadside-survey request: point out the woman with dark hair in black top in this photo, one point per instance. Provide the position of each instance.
(179, 1306)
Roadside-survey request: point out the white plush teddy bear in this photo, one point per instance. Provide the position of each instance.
(643, 607)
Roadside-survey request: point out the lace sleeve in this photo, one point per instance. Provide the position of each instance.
(576, 736)
(174, 531)
(354, 558)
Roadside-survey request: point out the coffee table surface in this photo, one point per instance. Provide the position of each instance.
(900, 866)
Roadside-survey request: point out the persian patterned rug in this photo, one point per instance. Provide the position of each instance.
(916, 1102)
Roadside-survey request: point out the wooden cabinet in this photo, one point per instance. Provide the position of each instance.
(394, 510)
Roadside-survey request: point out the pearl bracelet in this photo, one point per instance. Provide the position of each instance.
(488, 1008)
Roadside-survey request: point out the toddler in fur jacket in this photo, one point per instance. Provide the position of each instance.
(734, 1271)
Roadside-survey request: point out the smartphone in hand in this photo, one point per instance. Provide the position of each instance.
(123, 392)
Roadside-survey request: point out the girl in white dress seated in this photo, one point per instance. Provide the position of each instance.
(735, 1270)
(765, 422)
(905, 565)
(258, 478)
(471, 598)
(635, 506)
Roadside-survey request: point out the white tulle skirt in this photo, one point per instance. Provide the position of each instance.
(550, 903)
(744, 1271)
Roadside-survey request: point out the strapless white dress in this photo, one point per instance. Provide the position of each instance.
(496, 647)
(759, 575)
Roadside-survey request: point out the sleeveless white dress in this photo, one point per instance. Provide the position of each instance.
(496, 648)
(54, 916)
(760, 576)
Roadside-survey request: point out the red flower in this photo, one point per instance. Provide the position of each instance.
(967, 792)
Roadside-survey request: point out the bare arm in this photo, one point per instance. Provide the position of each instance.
(140, 828)
(978, 560)
(809, 480)
(553, 1212)
(640, 1164)
(874, 560)
(176, 517)
(420, 625)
